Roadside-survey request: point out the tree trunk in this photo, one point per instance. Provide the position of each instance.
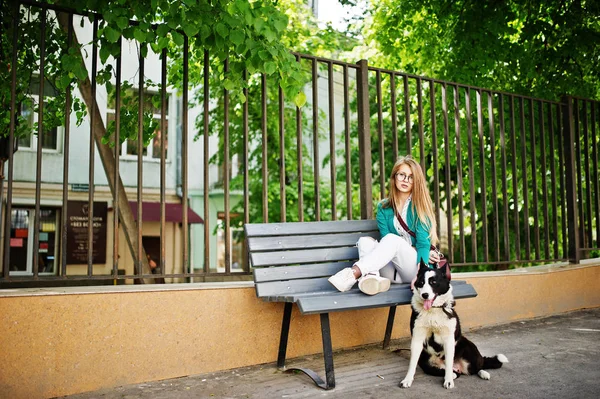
(108, 162)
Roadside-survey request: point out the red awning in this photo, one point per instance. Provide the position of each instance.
(173, 212)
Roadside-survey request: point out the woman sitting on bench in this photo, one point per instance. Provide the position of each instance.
(395, 258)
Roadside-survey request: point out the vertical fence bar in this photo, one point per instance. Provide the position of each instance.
(140, 166)
(66, 141)
(364, 141)
(459, 173)
(407, 115)
(534, 172)
(560, 115)
(544, 181)
(394, 117)
(11, 143)
(299, 145)
(492, 133)
(588, 182)
(553, 183)
(116, 176)
(281, 156)
(163, 130)
(245, 160)
(515, 178)
(92, 156)
(595, 169)
(184, 157)
(570, 180)
(421, 127)
(347, 145)
(265, 180)
(38, 174)
(505, 217)
(205, 116)
(332, 141)
(226, 172)
(472, 201)
(380, 136)
(315, 115)
(483, 179)
(434, 144)
(525, 189)
(577, 163)
(448, 177)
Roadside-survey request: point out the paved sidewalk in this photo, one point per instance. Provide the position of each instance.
(553, 357)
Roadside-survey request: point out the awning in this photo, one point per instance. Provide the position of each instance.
(173, 212)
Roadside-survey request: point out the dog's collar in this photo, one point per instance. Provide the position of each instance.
(444, 305)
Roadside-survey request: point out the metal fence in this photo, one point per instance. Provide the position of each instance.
(514, 179)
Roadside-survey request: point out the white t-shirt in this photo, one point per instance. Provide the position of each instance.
(403, 233)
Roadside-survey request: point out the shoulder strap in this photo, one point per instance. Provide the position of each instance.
(409, 231)
(405, 226)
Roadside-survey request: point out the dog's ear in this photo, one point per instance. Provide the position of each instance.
(445, 267)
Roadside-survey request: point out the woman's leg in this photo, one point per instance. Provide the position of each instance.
(391, 250)
(405, 263)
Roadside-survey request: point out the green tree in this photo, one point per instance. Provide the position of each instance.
(248, 34)
(542, 48)
(536, 48)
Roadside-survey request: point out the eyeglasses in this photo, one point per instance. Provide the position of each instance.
(404, 177)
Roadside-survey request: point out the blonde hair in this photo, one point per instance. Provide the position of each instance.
(420, 195)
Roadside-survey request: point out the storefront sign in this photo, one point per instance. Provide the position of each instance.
(77, 232)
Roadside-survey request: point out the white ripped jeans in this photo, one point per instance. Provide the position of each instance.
(392, 257)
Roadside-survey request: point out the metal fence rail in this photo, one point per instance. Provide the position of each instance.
(514, 179)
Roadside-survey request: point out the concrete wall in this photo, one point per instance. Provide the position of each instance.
(64, 341)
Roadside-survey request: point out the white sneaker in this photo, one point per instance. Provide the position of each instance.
(343, 280)
(372, 284)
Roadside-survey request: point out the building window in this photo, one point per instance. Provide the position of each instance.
(21, 240)
(51, 139)
(152, 104)
(237, 245)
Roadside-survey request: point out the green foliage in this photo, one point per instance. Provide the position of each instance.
(304, 36)
(543, 48)
(249, 34)
(61, 70)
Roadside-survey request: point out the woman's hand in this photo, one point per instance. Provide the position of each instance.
(434, 256)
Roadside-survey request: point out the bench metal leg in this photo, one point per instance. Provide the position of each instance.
(328, 357)
(389, 327)
(327, 351)
(283, 339)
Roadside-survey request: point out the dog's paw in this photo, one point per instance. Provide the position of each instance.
(406, 383)
(449, 384)
(484, 375)
(454, 376)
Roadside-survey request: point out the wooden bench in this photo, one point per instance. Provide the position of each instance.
(292, 262)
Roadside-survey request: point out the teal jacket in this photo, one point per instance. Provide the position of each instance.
(385, 222)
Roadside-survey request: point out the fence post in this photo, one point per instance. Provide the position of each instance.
(574, 253)
(364, 142)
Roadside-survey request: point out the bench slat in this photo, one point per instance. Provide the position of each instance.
(333, 303)
(307, 242)
(260, 259)
(279, 229)
(278, 273)
(291, 291)
(291, 287)
(353, 292)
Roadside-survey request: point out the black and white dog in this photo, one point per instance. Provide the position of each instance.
(437, 344)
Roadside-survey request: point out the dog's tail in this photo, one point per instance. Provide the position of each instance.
(494, 362)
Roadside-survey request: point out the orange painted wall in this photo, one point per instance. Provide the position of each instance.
(60, 342)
